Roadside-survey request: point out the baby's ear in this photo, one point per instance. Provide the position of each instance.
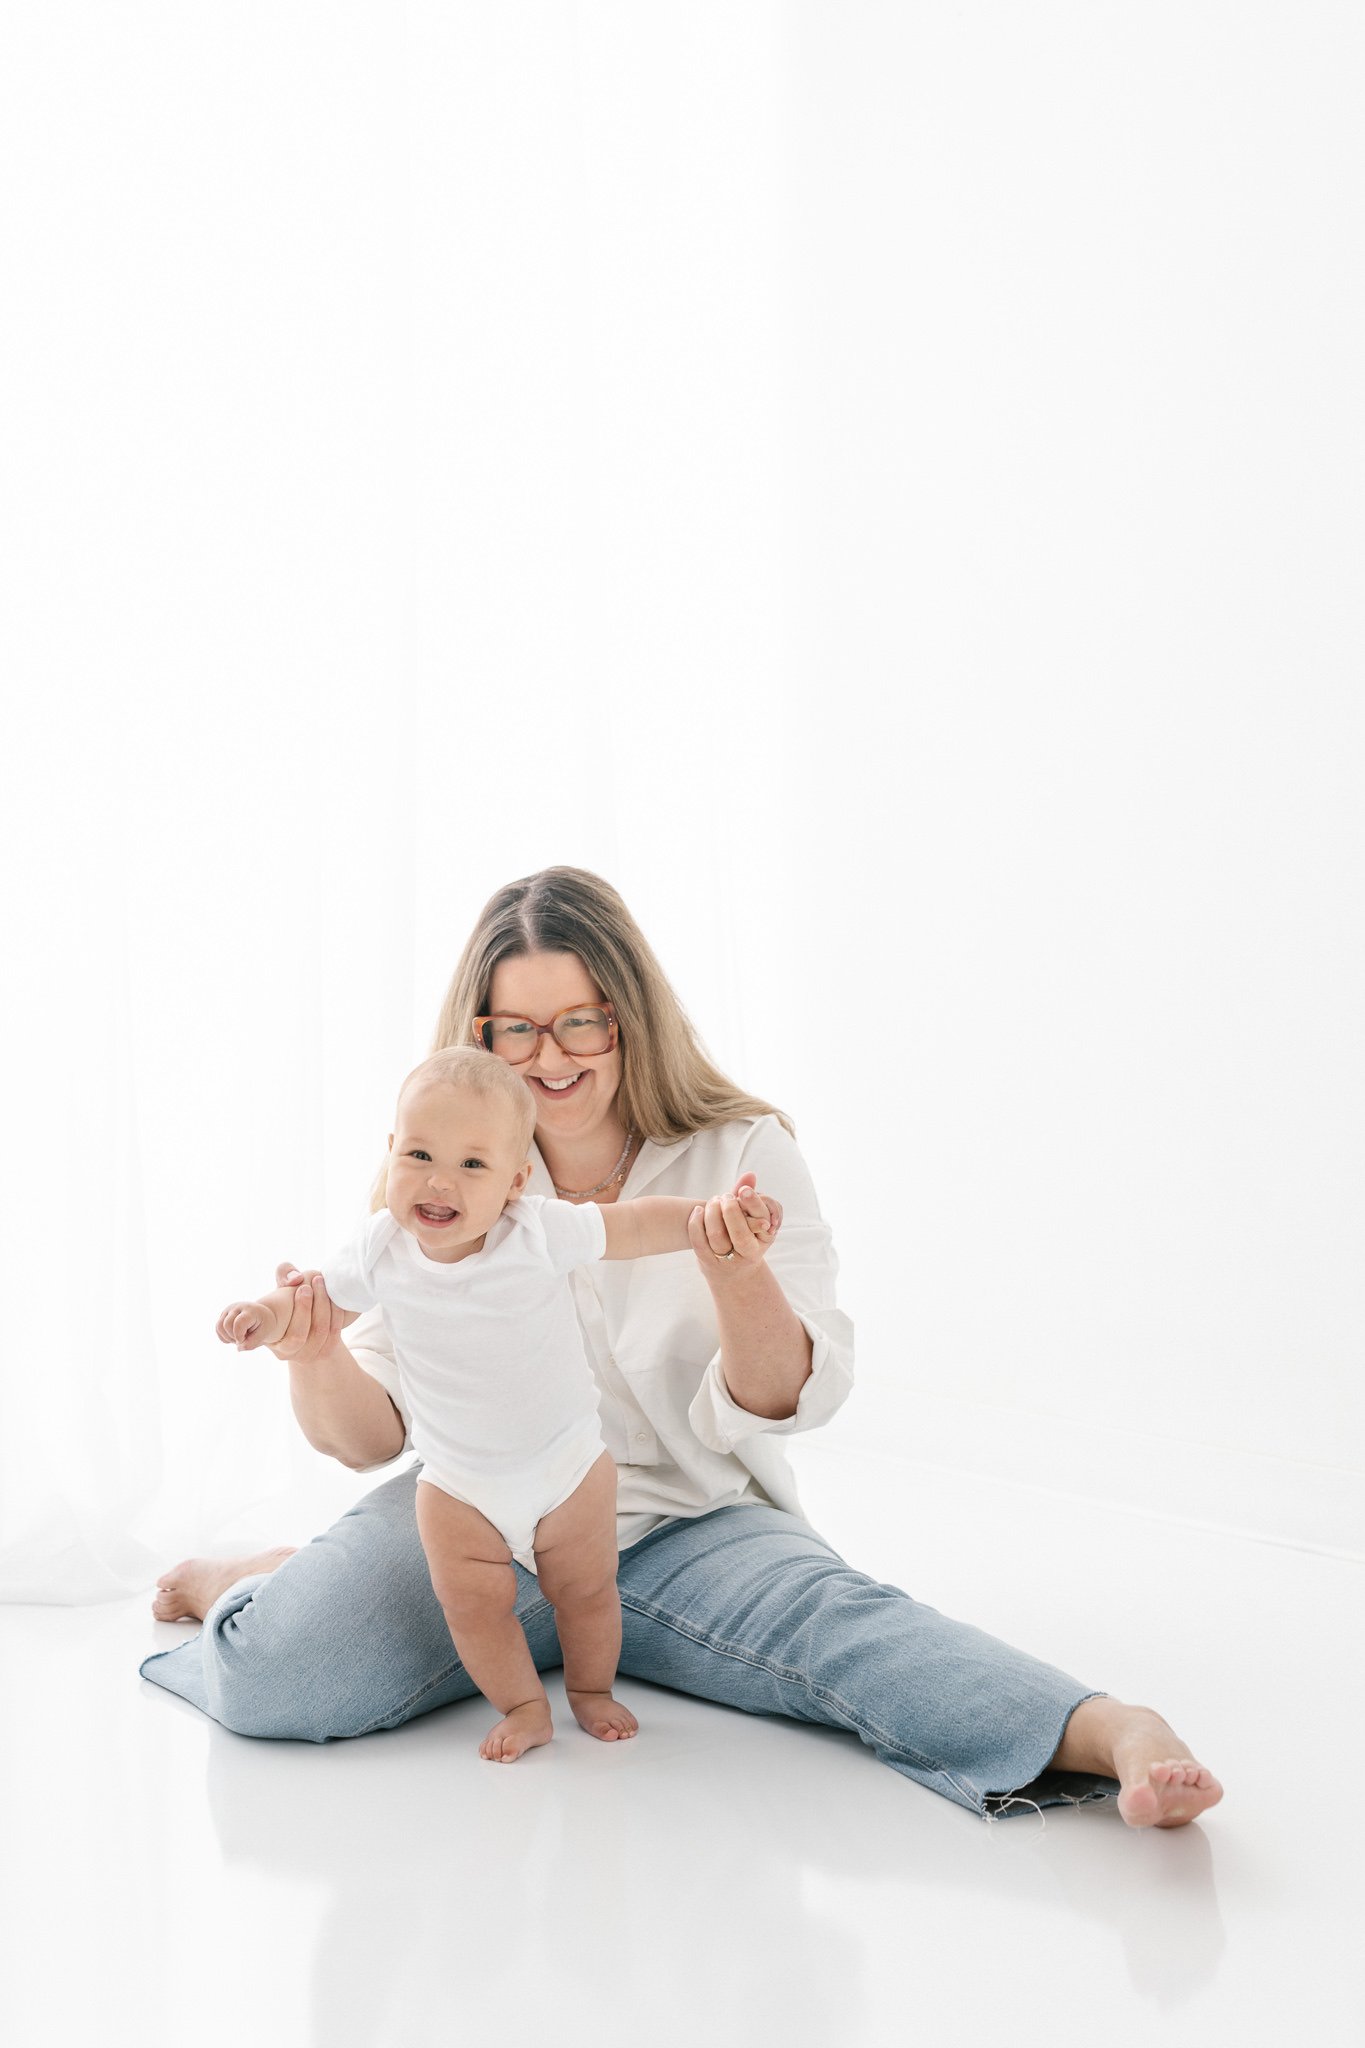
(390, 1141)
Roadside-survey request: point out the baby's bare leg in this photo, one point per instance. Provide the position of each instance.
(576, 1557)
(473, 1578)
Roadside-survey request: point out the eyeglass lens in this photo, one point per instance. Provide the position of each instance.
(578, 1031)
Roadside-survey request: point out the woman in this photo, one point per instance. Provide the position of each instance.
(705, 1361)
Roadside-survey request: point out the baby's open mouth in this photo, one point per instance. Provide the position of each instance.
(430, 1212)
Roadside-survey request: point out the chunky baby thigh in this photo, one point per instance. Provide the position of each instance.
(575, 1543)
(471, 1566)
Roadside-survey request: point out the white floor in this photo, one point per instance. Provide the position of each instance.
(724, 1877)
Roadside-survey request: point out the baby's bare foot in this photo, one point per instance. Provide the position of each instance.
(1162, 1784)
(602, 1716)
(188, 1590)
(526, 1727)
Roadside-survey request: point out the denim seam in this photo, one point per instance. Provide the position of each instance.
(819, 1692)
(381, 1721)
(985, 1798)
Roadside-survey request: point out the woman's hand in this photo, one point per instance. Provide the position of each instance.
(315, 1322)
(743, 1222)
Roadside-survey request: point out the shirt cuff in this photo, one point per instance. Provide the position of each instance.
(720, 1423)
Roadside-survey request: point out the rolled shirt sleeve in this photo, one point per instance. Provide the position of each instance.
(805, 1262)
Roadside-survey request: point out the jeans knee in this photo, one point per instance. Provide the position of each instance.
(261, 1688)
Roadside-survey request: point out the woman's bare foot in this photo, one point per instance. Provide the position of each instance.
(1161, 1782)
(525, 1727)
(188, 1590)
(602, 1716)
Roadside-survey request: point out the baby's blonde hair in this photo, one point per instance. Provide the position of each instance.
(465, 1066)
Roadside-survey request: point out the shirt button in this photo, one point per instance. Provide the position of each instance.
(640, 1437)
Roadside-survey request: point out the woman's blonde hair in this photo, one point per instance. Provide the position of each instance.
(669, 1085)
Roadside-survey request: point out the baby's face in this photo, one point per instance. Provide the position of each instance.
(452, 1166)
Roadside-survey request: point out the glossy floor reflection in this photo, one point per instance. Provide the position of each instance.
(724, 1877)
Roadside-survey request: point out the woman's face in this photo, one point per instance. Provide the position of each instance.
(539, 987)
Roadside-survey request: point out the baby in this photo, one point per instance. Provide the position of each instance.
(473, 1278)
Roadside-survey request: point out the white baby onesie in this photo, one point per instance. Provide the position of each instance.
(491, 1360)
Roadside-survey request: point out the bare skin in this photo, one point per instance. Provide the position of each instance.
(188, 1590)
(1162, 1783)
(472, 1576)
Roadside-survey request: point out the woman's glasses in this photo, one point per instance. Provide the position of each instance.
(585, 1032)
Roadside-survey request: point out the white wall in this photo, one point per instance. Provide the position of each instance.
(880, 485)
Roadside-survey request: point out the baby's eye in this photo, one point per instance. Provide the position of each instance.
(418, 1154)
(473, 1162)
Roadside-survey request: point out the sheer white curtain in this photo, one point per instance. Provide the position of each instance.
(880, 486)
(359, 557)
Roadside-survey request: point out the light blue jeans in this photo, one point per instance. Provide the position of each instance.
(747, 1605)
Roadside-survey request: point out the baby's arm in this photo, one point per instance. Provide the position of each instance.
(659, 1223)
(250, 1323)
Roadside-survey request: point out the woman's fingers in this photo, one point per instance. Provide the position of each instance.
(709, 1239)
(294, 1340)
(740, 1225)
(742, 1221)
(764, 1212)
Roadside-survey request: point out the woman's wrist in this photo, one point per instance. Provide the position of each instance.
(343, 1410)
(333, 1354)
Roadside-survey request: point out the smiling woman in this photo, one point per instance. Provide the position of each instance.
(702, 1362)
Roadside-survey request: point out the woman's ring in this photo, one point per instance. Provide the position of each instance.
(723, 1255)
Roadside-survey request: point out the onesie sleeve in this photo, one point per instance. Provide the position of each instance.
(805, 1263)
(371, 1346)
(349, 1273)
(573, 1236)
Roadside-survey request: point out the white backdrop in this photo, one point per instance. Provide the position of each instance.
(882, 486)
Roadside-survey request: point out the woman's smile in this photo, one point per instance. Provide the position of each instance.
(556, 1085)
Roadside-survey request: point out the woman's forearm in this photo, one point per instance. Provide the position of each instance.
(765, 1348)
(343, 1411)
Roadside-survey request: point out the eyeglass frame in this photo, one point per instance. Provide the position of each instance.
(541, 1030)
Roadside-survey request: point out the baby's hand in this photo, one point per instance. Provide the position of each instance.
(248, 1324)
(736, 1228)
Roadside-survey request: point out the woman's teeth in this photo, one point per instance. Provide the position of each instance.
(559, 1087)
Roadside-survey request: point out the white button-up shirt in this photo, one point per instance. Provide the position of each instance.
(682, 1446)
